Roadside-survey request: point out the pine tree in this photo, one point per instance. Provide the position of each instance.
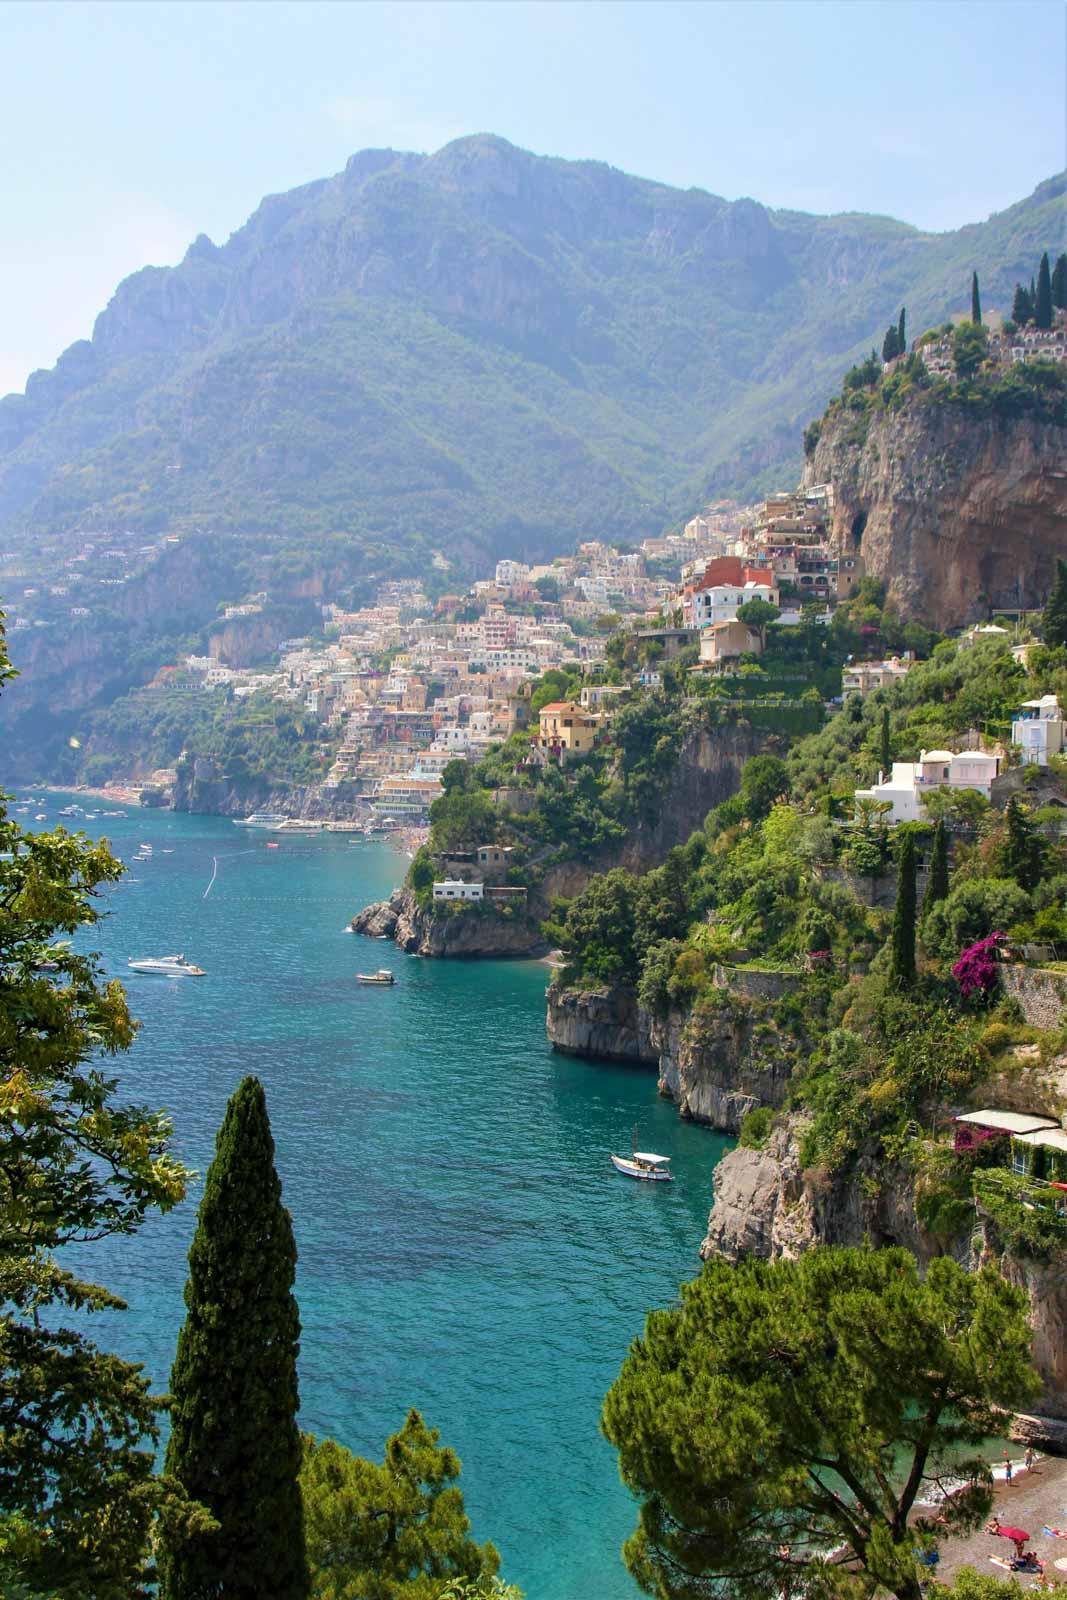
(976, 302)
(902, 952)
(889, 343)
(1021, 307)
(1054, 618)
(902, 338)
(234, 1443)
(1043, 300)
(885, 752)
(937, 876)
(1059, 283)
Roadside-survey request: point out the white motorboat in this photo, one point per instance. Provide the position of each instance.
(299, 825)
(382, 976)
(261, 819)
(167, 967)
(71, 811)
(644, 1164)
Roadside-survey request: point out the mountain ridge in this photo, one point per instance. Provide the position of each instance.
(480, 347)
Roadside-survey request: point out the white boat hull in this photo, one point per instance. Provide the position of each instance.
(636, 1169)
(166, 969)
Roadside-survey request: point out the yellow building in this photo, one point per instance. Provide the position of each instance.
(566, 729)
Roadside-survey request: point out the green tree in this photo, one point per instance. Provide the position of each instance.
(462, 819)
(78, 1491)
(1059, 283)
(763, 782)
(972, 911)
(1022, 307)
(902, 938)
(1054, 618)
(902, 337)
(595, 931)
(937, 874)
(891, 343)
(395, 1531)
(784, 1409)
(758, 614)
(234, 1442)
(970, 346)
(1043, 298)
(1024, 849)
(976, 301)
(885, 747)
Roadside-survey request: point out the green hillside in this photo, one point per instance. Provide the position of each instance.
(480, 350)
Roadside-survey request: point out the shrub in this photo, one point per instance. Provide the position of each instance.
(756, 1127)
(976, 971)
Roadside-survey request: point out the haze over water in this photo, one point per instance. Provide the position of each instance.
(465, 1246)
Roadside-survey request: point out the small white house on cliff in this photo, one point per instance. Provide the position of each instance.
(911, 781)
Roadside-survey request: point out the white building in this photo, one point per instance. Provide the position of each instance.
(1038, 730)
(721, 602)
(456, 889)
(509, 572)
(911, 781)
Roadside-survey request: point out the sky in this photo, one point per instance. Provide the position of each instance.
(126, 129)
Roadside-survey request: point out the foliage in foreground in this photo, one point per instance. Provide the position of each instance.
(395, 1530)
(78, 1426)
(234, 1444)
(783, 1410)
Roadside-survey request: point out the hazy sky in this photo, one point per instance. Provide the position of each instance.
(131, 127)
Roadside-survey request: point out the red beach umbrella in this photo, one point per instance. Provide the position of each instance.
(1016, 1535)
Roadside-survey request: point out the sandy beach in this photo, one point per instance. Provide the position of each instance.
(1033, 1500)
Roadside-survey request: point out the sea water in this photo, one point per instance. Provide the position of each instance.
(465, 1246)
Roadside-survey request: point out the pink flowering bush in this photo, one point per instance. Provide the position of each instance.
(976, 971)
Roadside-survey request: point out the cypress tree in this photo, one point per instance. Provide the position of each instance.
(1059, 283)
(1024, 852)
(902, 338)
(1054, 617)
(234, 1442)
(902, 950)
(1021, 307)
(885, 752)
(976, 301)
(937, 877)
(1043, 300)
(889, 343)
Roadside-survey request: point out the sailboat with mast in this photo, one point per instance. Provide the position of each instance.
(644, 1165)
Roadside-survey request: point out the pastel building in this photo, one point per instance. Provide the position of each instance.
(910, 782)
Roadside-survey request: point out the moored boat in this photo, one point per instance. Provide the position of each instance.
(644, 1164)
(382, 976)
(261, 819)
(167, 967)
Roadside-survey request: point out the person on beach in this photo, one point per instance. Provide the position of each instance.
(1028, 1458)
(993, 1525)
(1007, 1467)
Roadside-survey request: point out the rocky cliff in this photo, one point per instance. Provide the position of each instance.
(716, 1062)
(957, 513)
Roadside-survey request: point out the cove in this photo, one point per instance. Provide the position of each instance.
(465, 1246)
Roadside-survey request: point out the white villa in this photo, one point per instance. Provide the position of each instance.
(1038, 730)
(722, 601)
(911, 781)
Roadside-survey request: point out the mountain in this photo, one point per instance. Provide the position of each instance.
(479, 351)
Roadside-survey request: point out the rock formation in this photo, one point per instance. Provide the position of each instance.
(958, 514)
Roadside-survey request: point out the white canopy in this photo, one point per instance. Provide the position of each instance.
(653, 1161)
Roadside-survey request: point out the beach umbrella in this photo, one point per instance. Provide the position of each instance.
(1018, 1536)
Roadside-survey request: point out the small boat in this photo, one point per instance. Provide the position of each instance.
(40, 816)
(382, 976)
(71, 811)
(167, 967)
(644, 1164)
(272, 844)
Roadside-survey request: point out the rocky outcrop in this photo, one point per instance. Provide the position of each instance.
(605, 1024)
(765, 1204)
(957, 513)
(204, 787)
(469, 930)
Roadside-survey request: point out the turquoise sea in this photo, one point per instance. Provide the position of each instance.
(465, 1245)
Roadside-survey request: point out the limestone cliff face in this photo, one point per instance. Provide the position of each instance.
(204, 788)
(716, 1065)
(604, 1024)
(956, 513)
